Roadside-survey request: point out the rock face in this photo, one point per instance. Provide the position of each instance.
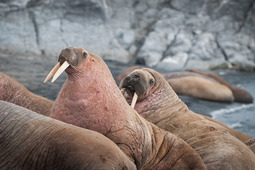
(170, 34)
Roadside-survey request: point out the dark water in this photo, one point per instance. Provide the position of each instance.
(31, 72)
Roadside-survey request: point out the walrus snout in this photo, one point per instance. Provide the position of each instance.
(135, 78)
(70, 56)
(134, 83)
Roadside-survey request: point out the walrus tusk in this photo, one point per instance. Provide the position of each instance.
(60, 71)
(123, 90)
(134, 100)
(52, 72)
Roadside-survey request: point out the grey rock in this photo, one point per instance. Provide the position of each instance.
(173, 63)
(176, 34)
(188, 6)
(205, 47)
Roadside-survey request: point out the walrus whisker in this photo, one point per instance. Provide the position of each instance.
(134, 100)
(123, 90)
(60, 71)
(52, 72)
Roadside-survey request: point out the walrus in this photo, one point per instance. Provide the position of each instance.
(240, 95)
(201, 88)
(200, 85)
(91, 99)
(159, 104)
(14, 92)
(32, 141)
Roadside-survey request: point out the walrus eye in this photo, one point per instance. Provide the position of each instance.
(84, 54)
(151, 81)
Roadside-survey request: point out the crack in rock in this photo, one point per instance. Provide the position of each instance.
(36, 29)
(246, 17)
(221, 49)
(170, 45)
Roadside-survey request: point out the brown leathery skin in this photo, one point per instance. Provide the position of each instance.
(91, 99)
(239, 135)
(14, 92)
(158, 103)
(32, 141)
(240, 95)
(251, 144)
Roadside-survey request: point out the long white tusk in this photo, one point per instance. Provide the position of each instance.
(123, 90)
(134, 100)
(60, 70)
(52, 72)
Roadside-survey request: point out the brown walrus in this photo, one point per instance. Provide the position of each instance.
(159, 104)
(91, 99)
(14, 92)
(207, 86)
(240, 95)
(32, 141)
(201, 88)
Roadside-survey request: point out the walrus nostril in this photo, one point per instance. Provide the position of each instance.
(66, 54)
(128, 79)
(130, 88)
(135, 77)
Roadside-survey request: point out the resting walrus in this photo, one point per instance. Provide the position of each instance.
(32, 141)
(159, 104)
(90, 99)
(240, 95)
(14, 92)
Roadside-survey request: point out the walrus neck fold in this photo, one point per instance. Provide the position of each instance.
(159, 102)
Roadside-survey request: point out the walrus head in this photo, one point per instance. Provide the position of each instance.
(140, 84)
(71, 60)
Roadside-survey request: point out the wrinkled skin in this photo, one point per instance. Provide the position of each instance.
(251, 144)
(14, 92)
(90, 99)
(32, 141)
(207, 86)
(158, 103)
(240, 95)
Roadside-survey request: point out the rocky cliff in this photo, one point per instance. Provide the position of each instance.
(170, 34)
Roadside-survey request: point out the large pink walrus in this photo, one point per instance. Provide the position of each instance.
(159, 104)
(90, 99)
